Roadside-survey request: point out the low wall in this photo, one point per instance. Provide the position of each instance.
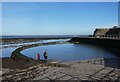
(112, 45)
(17, 56)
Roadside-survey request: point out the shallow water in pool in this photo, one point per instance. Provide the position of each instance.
(68, 52)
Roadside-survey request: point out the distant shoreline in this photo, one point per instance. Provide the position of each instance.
(39, 36)
(24, 40)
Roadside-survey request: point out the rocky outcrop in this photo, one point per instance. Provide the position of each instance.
(100, 31)
(107, 31)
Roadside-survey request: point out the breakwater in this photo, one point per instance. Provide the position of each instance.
(112, 45)
(17, 56)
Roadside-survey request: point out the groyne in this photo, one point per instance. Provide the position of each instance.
(112, 45)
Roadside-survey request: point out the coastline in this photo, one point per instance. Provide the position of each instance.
(22, 61)
(24, 40)
(35, 70)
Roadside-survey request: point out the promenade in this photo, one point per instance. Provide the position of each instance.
(86, 70)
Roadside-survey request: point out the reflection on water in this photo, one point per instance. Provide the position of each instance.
(68, 52)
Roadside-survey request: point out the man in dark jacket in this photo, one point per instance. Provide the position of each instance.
(45, 55)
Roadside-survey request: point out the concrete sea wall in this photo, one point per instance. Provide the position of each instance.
(17, 56)
(112, 45)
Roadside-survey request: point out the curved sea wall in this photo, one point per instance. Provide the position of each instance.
(17, 56)
(112, 45)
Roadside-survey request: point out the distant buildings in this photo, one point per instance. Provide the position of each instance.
(107, 32)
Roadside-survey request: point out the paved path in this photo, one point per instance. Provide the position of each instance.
(90, 70)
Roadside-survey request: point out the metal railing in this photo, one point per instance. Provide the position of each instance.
(107, 36)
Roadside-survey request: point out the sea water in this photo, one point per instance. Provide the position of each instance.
(68, 52)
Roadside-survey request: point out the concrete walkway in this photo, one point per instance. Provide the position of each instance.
(87, 70)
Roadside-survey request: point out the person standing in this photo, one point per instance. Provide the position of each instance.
(38, 56)
(45, 55)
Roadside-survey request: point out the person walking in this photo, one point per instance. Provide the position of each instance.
(45, 56)
(38, 56)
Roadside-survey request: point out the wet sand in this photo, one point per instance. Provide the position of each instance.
(9, 63)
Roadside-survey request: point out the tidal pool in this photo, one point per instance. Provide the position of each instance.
(6, 52)
(68, 52)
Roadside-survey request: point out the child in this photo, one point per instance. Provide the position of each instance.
(38, 56)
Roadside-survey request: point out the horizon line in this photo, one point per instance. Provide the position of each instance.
(60, 1)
